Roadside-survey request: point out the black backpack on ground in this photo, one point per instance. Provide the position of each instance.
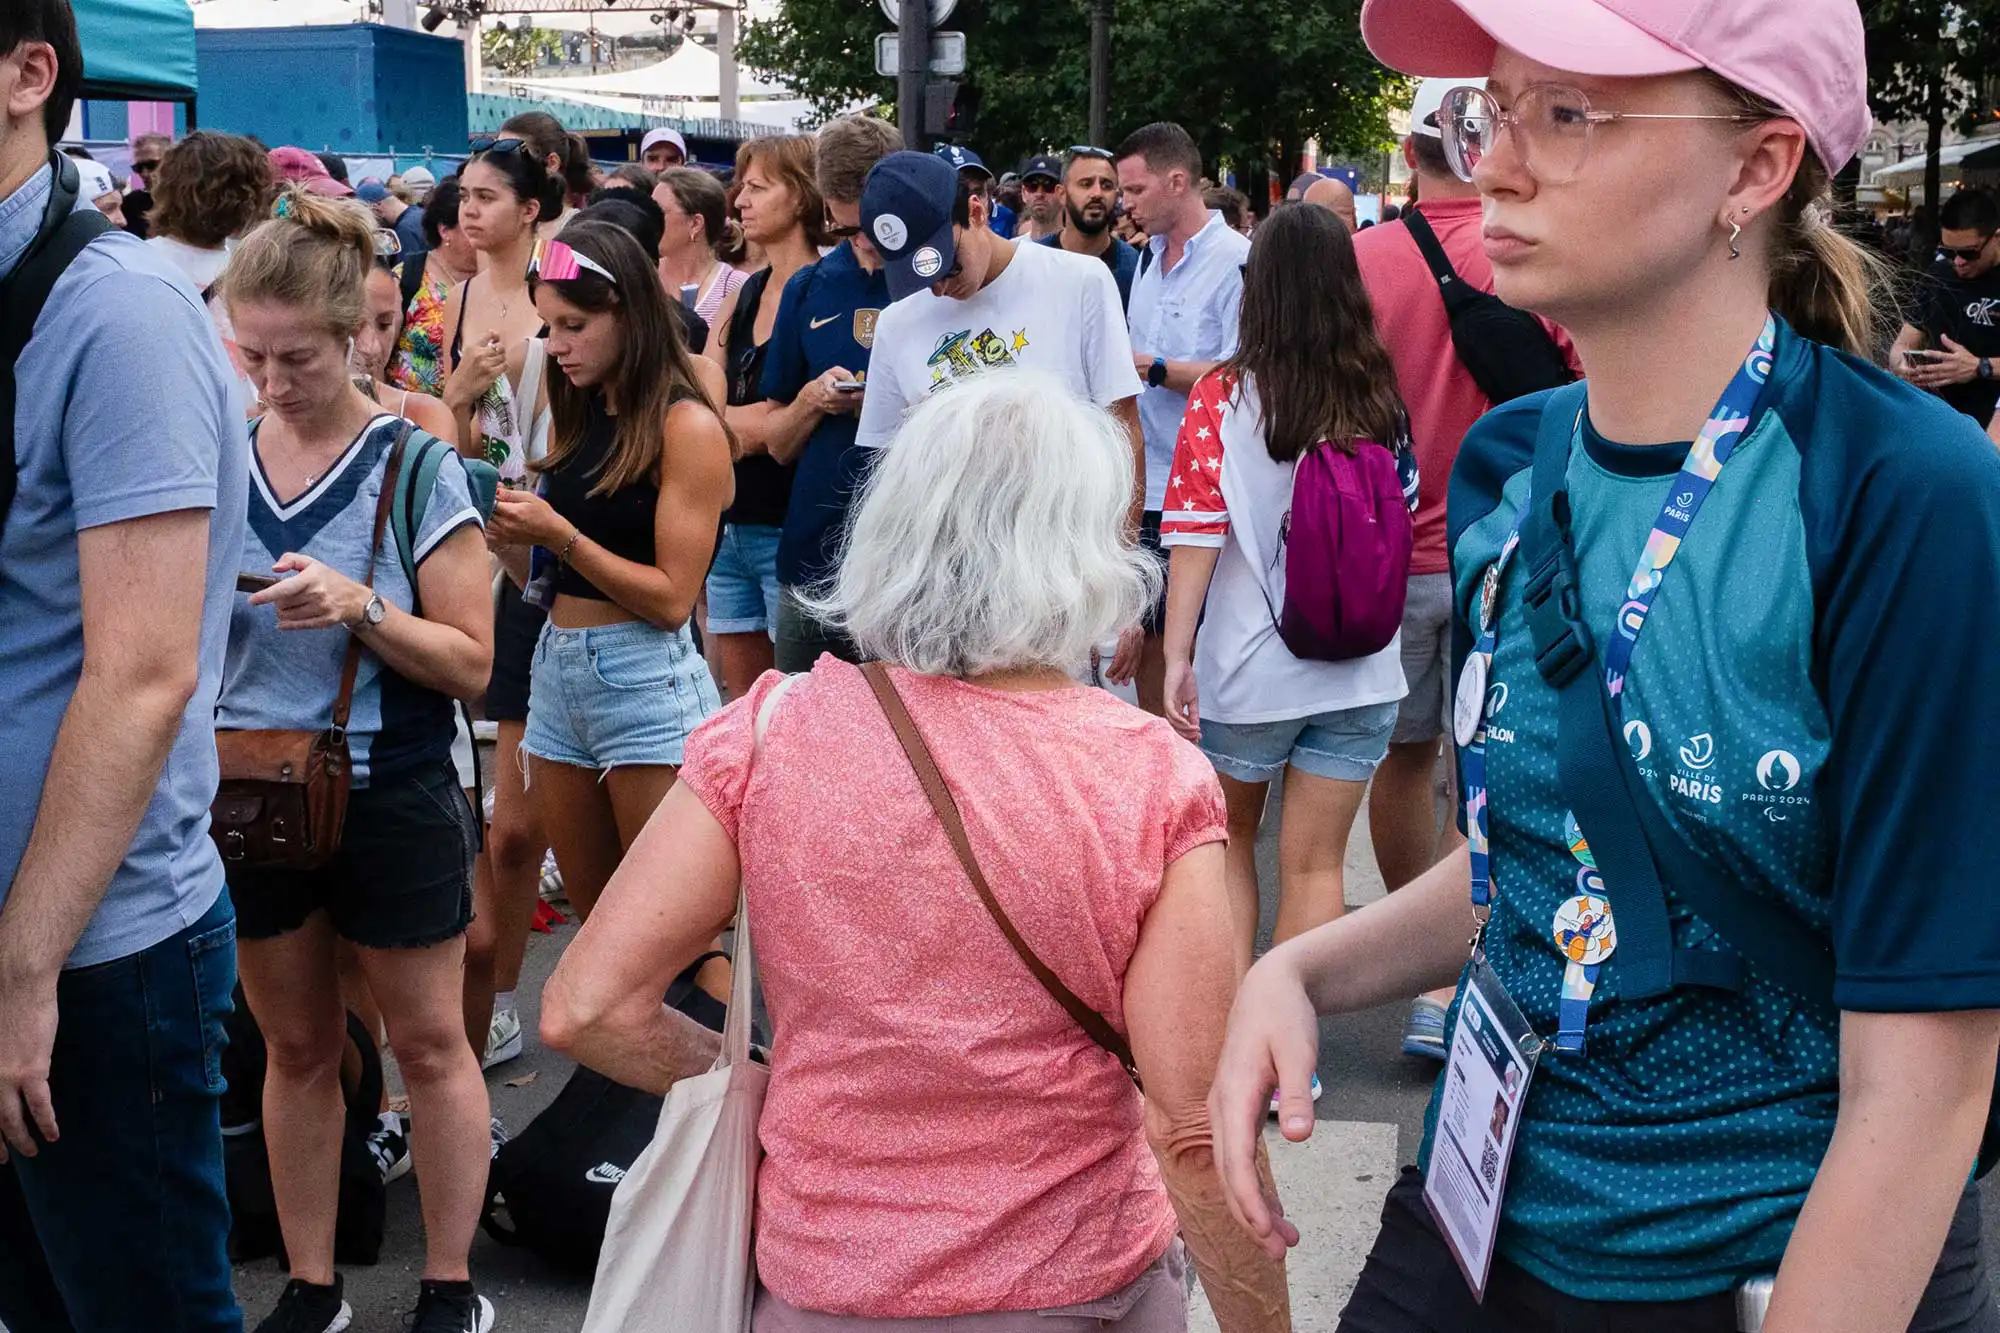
(1506, 351)
(61, 238)
(246, 1162)
(551, 1185)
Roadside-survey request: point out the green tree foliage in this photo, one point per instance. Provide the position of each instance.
(1250, 81)
(514, 51)
(1933, 61)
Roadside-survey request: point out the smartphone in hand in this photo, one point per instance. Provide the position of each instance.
(254, 582)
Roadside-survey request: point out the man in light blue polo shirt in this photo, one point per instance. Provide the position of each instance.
(1183, 314)
(118, 557)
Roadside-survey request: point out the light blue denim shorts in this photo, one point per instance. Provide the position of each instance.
(616, 695)
(1346, 744)
(743, 581)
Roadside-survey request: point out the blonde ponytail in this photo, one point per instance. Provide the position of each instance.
(1826, 284)
(313, 254)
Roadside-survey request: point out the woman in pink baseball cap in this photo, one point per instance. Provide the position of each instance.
(1734, 990)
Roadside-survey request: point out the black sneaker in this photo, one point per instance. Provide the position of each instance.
(389, 1145)
(305, 1308)
(450, 1307)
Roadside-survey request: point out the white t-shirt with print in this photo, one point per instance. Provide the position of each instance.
(1049, 310)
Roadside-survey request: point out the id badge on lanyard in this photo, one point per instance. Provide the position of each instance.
(1493, 1049)
(1492, 1058)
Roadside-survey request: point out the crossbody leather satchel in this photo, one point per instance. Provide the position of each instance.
(283, 796)
(1093, 1023)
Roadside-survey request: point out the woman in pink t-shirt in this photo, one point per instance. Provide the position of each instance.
(942, 1140)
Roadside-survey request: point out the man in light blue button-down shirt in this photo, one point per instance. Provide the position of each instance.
(1183, 317)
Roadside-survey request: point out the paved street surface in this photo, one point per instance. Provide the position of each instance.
(1370, 1120)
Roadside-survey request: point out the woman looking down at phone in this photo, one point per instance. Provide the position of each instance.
(399, 887)
(1696, 655)
(632, 489)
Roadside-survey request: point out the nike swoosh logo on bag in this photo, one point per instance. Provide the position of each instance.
(821, 323)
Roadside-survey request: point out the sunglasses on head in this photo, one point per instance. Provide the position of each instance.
(1077, 150)
(486, 143)
(1968, 255)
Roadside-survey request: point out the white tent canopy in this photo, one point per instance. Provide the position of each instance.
(277, 13)
(693, 72)
(1910, 171)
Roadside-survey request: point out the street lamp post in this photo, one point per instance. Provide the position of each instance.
(1100, 70)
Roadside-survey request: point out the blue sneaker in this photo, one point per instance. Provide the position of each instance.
(1315, 1095)
(1424, 1033)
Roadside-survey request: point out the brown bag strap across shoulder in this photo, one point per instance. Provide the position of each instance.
(912, 740)
(351, 665)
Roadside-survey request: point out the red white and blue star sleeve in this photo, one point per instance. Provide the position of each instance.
(1195, 513)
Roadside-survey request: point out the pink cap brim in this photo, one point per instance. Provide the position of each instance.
(326, 185)
(1457, 38)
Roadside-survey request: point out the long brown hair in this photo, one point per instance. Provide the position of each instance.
(655, 368)
(1308, 338)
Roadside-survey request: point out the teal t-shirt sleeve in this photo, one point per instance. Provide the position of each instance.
(785, 372)
(449, 508)
(1901, 501)
(141, 423)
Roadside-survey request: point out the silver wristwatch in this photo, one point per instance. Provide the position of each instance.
(372, 614)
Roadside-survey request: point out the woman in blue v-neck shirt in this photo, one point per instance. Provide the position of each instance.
(1783, 555)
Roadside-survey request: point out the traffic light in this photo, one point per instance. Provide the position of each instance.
(951, 109)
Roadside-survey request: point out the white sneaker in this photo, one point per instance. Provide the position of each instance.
(503, 1039)
(552, 885)
(499, 1135)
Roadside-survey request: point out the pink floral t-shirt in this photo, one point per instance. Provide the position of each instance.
(940, 1136)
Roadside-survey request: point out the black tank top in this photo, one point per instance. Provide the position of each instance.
(763, 485)
(621, 521)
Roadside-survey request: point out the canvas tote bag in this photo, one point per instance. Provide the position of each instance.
(677, 1248)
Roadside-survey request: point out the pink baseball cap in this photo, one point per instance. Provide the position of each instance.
(1806, 56)
(297, 166)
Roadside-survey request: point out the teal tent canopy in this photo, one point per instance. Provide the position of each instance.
(137, 50)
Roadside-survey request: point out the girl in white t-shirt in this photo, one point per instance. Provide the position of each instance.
(1309, 368)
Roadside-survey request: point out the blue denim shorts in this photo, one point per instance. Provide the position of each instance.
(616, 695)
(743, 581)
(1346, 744)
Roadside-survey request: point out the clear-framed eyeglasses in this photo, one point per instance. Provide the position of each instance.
(1552, 126)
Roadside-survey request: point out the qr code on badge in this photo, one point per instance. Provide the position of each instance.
(1489, 1162)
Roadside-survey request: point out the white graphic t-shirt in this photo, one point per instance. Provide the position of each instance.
(1048, 310)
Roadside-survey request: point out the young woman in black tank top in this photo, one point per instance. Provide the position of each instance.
(505, 190)
(783, 212)
(635, 481)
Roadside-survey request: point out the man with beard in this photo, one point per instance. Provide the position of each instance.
(1090, 197)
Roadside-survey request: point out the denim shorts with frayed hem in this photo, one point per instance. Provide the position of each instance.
(1345, 744)
(616, 695)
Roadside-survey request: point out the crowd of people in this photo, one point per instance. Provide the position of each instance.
(778, 525)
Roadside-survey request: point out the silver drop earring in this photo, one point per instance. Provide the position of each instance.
(1734, 232)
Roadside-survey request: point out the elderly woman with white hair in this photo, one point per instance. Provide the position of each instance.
(943, 1138)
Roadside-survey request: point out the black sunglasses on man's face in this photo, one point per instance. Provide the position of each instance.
(1966, 256)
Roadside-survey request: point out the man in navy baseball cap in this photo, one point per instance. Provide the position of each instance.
(906, 210)
(964, 160)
